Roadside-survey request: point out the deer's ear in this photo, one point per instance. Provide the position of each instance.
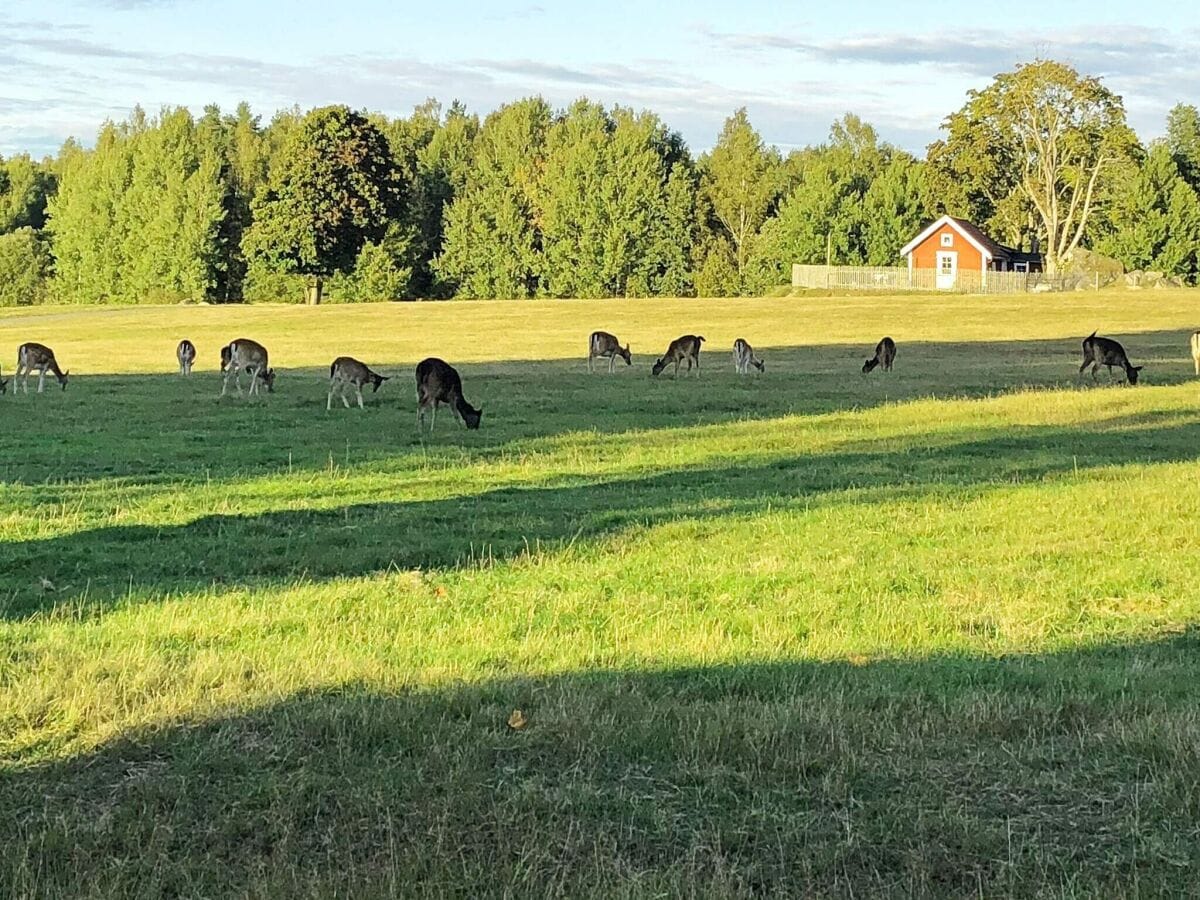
(1138, 368)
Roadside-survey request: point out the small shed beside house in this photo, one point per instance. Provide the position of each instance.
(955, 248)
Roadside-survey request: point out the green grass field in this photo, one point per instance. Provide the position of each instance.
(929, 634)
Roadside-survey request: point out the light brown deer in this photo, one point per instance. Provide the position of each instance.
(744, 358)
(602, 344)
(186, 354)
(681, 349)
(437, 383)
(346, 372)
(250, 356)
(38, 356)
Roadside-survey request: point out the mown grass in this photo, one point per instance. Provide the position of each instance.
(927, 633)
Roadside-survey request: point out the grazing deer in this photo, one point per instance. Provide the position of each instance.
(885, 355)
(682, 348)
(250, 356)
(38, 356)
(602, 344)
(437, 383)
(1098, 351)
(347, 371)
(1196, 350)
(744, 358)
(186, 354)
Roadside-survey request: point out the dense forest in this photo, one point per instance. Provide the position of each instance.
(585, 201)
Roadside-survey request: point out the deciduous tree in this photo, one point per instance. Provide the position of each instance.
(333, 188)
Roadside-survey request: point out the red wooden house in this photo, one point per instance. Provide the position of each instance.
(950, 246)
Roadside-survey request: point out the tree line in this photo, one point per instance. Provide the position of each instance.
(586, 201)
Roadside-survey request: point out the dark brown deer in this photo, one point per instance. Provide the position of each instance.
(744, 358)
(438, 382)
(347, 371)
(682, 348)
(38, 356)
(885, 355)
(186, 354)
(602, 344)
(249, 356)
(1098, 351)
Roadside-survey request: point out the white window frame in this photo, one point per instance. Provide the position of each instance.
(947, 238)
(1021, 267)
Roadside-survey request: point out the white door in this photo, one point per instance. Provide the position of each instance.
(947, 269)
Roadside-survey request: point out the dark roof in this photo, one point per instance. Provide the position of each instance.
(976, 233)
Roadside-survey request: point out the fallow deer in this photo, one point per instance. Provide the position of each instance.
(885, 355)
(1196, 351)
(347, 371)
(250, 356)
(744, 358)
(38, 356)
(437, 383)
(186, 354)
(682, 348)
(602, 344)
(1098, 351)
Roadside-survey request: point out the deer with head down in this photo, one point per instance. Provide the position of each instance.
(245, 355)
(347, 372)
(438, 382)
(744, 358)
(185, 353)
(602, 344)
(686, 348)
(1098, 351)
(32, 356)
(885, 355)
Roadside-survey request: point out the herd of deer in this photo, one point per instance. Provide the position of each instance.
(439, 383)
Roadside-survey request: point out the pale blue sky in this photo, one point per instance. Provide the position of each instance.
(66, 65)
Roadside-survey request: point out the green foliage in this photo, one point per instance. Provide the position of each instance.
(741, 180)
(492, 242)
(25, 188)
(1183, 140)
(855, 201)
(138, 218)
(24, 267)
(1154, 222)
(1040, 148)
(333, 187)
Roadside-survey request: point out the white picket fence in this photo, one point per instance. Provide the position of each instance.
(897, 278)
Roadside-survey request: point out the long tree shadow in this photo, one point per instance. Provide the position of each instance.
(102, 565)
(1067, 774)
(165, 428)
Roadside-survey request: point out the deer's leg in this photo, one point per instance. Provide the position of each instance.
(41, 379)
(420, 414)
(433, 417)
(358, 390)
(329, 399)
(612, 363)
(591, 369)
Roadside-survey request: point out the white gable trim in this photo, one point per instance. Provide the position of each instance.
(921, 238)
